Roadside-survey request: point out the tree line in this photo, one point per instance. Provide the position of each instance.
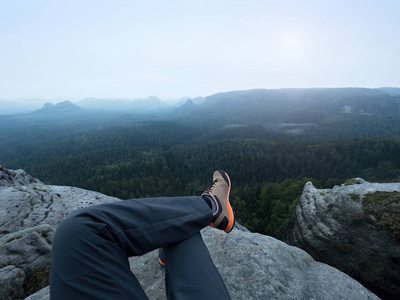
(169, 158)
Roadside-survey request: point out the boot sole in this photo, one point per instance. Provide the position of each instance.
(231, 217)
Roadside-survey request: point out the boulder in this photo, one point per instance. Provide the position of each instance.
(26, 255)
(15, 177)
(30, 212)
(12, 280)
(355, 228)
(26, 202)
(27, 249)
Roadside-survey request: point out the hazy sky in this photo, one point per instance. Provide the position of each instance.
(71, 49)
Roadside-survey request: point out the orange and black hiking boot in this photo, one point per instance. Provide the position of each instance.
(218, 195)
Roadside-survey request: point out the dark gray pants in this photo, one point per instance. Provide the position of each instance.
(92, 245)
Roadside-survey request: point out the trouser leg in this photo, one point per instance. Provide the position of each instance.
(190, 272)
(91, 247)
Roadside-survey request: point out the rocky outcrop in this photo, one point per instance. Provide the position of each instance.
(28, 202)
(355, 228)
(17, 177)
(25, 260)
(253, 266)
(30, 212)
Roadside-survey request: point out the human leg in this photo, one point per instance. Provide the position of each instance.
(91, 247)
(217, 197)
(190, 272)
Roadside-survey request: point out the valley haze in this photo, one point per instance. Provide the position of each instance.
(143, 105)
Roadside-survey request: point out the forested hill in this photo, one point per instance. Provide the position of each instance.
(301, 105)
(270, 142)
(258, 104)
(308, 113)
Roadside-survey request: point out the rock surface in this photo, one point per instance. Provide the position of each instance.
(26, 202)
(12, 280)
(30, 212)
(354, 228)
(253, 266)
(30, 251)
(15, 177)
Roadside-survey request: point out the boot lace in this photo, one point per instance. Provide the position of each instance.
(199, 193)
(213, 185)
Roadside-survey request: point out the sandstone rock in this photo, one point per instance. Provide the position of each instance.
(43, 294)
(12, 279)
(27, 254)
(254, 266)
(25, 206)
(30, 212)
(337, 226)
(15, 177)
(28, 249)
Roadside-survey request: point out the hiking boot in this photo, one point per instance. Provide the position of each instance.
(218, 196)
(161, 256)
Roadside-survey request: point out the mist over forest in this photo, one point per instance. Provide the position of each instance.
(271, 142)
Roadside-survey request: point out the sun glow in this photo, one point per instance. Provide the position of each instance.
(293, 45)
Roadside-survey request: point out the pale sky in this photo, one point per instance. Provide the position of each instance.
(72, 49)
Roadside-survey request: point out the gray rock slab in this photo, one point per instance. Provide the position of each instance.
(15, 177)
(28, 249)
(30, 212)
(255, 266)
(12, 280)
(25, 206)
(43, 294)
(24, 254)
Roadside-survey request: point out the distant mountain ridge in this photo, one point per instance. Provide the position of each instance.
(296, 104)
(393, 91)
(274, 103)
(276, 110)
(318, 98)
(61, 109)
(140, 105)
(189, 108)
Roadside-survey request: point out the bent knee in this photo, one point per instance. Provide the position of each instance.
(76, 224)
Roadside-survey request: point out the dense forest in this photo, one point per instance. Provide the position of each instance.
(132, 155)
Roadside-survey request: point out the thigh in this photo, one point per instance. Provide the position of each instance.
(87, 264)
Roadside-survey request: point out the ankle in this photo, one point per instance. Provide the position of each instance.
(210, 202)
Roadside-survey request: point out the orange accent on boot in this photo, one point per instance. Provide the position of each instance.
(161, 262)
(230, 224)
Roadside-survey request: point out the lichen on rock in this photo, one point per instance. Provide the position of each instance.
(384, 207)
(355, 228)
